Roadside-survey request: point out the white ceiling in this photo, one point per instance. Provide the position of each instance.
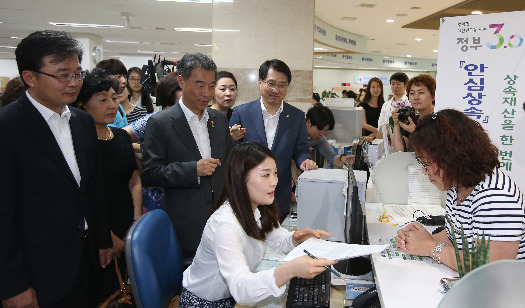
(153, 22)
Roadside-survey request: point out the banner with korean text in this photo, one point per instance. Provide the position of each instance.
(481, 72)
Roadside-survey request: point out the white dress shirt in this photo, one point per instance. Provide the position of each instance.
(270, 123)
(227, 259)
(199, 129)
(386, 110)
(59, 125)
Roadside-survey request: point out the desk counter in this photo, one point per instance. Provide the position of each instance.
(402, 283)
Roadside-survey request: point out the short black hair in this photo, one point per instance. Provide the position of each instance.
(113, 67)
(97, 80)
(320, 116)
(166, 89)
(193, 60)
(351, 94)
(32, 50)
(277, 65)
(317, 97)
(225, 74)
(399, 76)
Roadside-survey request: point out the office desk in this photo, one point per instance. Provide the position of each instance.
(401, 283)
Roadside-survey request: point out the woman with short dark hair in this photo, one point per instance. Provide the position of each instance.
(234, 241)
(122, 185)
(458, 157)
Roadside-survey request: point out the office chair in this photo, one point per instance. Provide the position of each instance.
(496, 284)
(154, 260)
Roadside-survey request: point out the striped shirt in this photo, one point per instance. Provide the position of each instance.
(495, 208)
(135, 114)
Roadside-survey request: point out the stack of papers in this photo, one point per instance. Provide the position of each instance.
(332, 250)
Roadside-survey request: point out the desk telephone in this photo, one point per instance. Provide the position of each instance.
(367, 299)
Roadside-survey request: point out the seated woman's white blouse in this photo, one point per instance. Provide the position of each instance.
(227, 258)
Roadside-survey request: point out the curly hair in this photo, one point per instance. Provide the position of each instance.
(243, 158)
(459, 146)
(425, 80)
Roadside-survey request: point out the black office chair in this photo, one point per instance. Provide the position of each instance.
(154, 260)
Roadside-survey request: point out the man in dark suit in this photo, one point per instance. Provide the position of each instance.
(185, 147)
(278, 125)
(51, 199)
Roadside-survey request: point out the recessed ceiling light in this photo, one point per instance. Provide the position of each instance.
(435, 50)
(409, 56)
(390, 20)
(476, 12)
(387, 57)
(75, 25)
(192, 29)
(203, 45)
(349, 18)
(401, 14)
(126, 42)
(415, 8)
(189, 1)
(319, 48)
(10, 47)
(15, 37)
(418, 39)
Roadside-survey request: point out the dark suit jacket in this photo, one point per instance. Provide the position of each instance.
(42, 208)
(290, 142)
(170, 156)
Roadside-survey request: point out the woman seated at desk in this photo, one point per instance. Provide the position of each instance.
(457, 155)
(234, 240)
(421, 94)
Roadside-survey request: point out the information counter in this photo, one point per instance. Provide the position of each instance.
(401, 280)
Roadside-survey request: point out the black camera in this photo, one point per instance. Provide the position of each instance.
(405, 113)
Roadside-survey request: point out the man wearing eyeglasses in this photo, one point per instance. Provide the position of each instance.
(52, 210)
(278, 125)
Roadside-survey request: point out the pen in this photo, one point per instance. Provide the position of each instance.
(331, 270)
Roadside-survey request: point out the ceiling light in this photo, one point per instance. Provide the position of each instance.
(10, 47)
(144, 51)
(126, 42)
(409, 56)
(319, 48)
(366, 5)
(476, 12)
(203, 45)
(419, 39)
(390, 20)
(252, 76)
(192, 29)
(387, 57)
(75, 25)
(189, 1)
(435, 50)
(15, 37)
(401, 14)
(415, 8)
(349, 18)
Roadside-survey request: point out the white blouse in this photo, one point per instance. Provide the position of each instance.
(227, 258)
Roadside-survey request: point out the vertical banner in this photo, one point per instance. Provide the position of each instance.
(481, 72)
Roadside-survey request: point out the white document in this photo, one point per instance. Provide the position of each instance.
(403, 213)
(332, 250)
(420, 190)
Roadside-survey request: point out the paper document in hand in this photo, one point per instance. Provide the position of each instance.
(332, 250)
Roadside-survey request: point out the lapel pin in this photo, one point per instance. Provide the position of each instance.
(287, 115)
(212, 124)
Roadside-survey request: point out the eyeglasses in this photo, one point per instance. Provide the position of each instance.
(66, 77)
(272, 85)
(134, 80)
(424, 165)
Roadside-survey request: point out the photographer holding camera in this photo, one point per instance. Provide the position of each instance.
(421, 93)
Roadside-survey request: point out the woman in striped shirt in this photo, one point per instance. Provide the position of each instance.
(457, 155)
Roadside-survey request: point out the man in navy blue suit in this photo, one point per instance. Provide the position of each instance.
(52, 212)
(277, 125)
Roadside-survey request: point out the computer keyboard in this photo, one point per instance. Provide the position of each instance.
(313, 292)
